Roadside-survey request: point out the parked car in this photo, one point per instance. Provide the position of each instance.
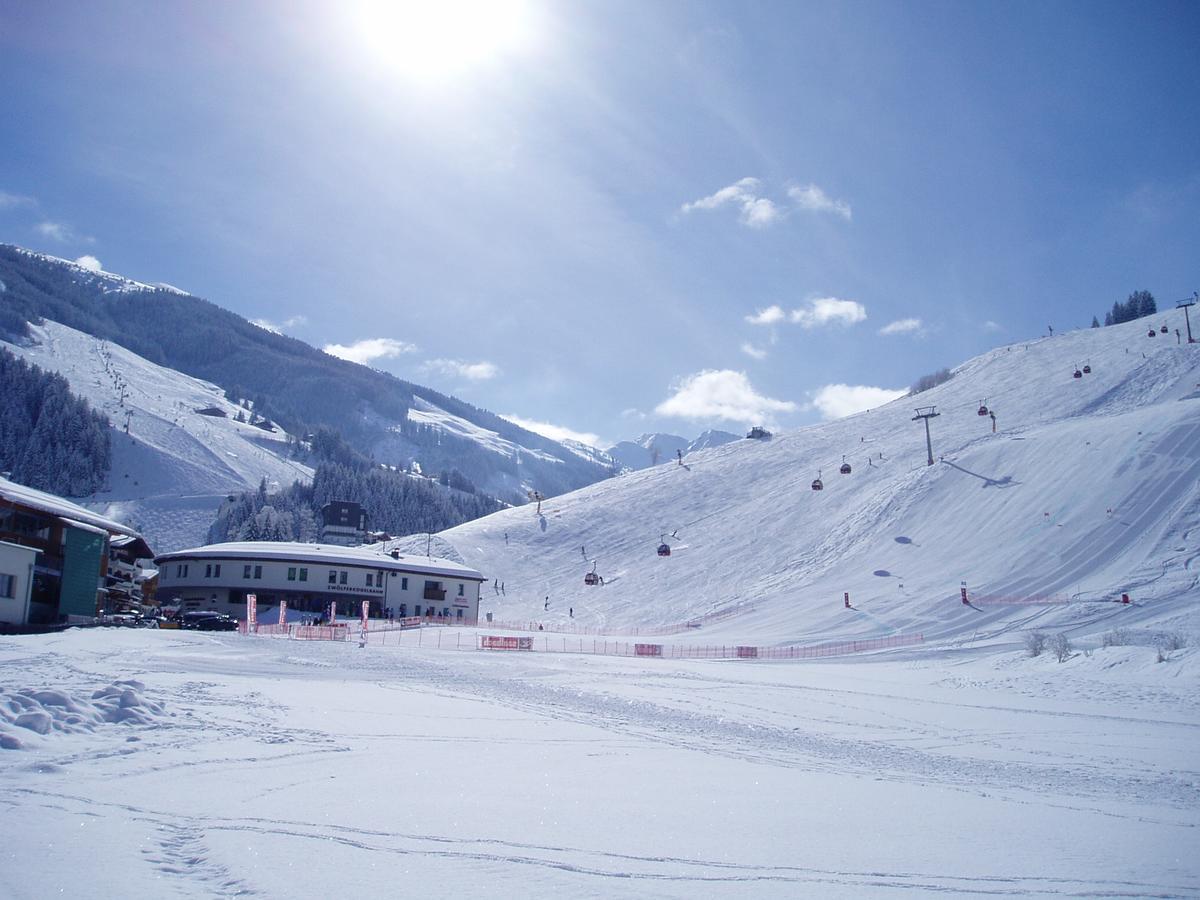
(193, 620)
(219, 622)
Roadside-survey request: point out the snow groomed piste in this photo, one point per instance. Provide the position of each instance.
(1089, 488)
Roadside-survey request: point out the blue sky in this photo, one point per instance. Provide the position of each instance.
(623, 216)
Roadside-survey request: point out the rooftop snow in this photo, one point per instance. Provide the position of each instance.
(325, 553)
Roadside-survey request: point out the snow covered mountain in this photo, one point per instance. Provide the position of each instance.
(653, 449)
(177, 449)
(1089, 487)
(290, 382)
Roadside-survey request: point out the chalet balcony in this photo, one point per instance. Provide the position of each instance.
(434, 594)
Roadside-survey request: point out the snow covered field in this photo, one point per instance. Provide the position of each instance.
(151, 764)
(221, 765)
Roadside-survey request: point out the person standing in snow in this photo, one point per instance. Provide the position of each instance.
(572, 612)
(546, 605)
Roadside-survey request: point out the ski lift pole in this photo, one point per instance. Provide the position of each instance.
(926, 413)
(1185, 305)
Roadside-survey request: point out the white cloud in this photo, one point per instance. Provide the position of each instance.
(12, 201)
(721, 394)
(769, 316)
(814, 199)
(90, 263)
(753, 352)
(555, 432)
(56, 231)
(754, 210)
(829, 310)
(480, 371)
(901, 326)
(989, 325)
(837, 400)
(368, 349)
(632, 413)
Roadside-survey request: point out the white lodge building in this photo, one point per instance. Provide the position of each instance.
(310, 576)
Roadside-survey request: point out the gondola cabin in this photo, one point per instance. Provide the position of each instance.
(817, 485)
(845, 469)
(1163, 330)
(1151, 333)
(664, 549)
(591, 578)
(1087, 370)
(983, 410)
(1077, 374)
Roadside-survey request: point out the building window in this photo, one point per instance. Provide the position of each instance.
(217, 571)
(208, 570)
(332, 576)
(403, 610)
(460, 589)
(291, 573)
(245, 571)
(258, 571)
(8, 586)
(181, 571)
(304, 574)
(370, 580)
(404, 584)
(342, 577)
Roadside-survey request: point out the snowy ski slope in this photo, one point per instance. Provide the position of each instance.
(1089, 488)
(175, 466)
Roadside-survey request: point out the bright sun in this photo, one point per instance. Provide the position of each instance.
(436, 40)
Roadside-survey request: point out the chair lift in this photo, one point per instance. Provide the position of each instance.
(845, 469)
(983, 410)
(817, 485)
(591, 577)
(1087, 369)
(664, 549)
(1164, 328)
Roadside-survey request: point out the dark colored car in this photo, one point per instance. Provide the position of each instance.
(207, 620)
(219, 622)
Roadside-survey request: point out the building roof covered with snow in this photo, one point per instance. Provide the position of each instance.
(20, 495)
(281, 551)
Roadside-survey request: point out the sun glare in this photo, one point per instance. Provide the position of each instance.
(443, 39)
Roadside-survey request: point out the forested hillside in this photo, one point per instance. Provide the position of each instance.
(50, 439)
(287, 381)
(395, 502)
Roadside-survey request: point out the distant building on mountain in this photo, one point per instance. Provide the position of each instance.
(343, 523)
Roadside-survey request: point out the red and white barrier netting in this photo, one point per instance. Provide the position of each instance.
(1035, 600)
(717, 615)
(684, 651)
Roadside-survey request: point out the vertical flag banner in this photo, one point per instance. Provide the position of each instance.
(366, 605)
(282, 612)
(251, 612)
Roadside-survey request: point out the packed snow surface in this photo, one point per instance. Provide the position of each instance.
(279, 768)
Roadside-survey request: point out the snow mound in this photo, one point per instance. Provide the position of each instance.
(25, 713)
